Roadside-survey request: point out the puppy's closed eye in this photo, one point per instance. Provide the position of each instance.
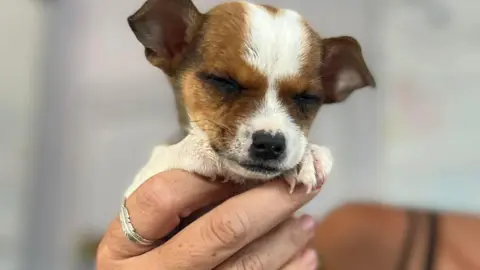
(306, 101)
(225, 85)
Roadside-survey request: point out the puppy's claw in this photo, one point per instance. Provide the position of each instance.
(313, 171)
(321, 178)
(315, 167)
(323, 162)
(292, 181)
(309, 188)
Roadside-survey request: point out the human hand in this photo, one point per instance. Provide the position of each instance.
(253, 230)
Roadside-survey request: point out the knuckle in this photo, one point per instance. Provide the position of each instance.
(250, 262)
(101, 253)
(229, 228)
(156, 195)
(104, 257)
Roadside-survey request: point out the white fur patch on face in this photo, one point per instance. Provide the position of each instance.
(276, 45)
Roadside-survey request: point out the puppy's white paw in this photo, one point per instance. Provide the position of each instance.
(313, 170)
(192, 154)
(323, 162)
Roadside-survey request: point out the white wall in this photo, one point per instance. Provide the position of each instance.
(20, 39)
(431, 126)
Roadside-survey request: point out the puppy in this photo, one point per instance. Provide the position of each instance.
(248, 82)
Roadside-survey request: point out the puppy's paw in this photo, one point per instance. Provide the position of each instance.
(313, 170)
(189, 155)
(323, 162)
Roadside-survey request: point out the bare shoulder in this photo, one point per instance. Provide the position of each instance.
(363, 214)
(360, 235)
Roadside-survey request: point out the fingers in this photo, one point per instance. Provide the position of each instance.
(156, 207)
(307, 260)
(276, 248)
(229, 227)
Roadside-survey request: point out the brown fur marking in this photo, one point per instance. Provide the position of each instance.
(221, 48)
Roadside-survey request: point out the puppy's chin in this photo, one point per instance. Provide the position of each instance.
(251, 172)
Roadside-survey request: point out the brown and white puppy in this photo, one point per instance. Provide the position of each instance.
(248, 80)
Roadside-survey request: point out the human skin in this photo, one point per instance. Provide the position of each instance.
(370, 237)
(252, 230)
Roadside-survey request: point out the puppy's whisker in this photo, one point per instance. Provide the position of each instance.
(214, 123)
(225, 128)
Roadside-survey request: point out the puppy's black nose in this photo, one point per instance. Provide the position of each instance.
(266, 146)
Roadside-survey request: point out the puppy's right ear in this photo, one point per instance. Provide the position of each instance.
(344, 69)
(165, 28)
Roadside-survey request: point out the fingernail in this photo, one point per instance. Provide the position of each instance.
(310, 259)
(307, 222)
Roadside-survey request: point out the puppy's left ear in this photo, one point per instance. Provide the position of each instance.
(343, 69)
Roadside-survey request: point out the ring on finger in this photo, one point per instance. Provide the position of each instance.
(128, 228)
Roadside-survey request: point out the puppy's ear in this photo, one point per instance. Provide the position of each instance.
(165, 28)
(343, 69)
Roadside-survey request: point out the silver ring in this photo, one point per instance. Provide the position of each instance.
(128, 228)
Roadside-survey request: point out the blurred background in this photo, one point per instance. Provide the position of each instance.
(81, 109)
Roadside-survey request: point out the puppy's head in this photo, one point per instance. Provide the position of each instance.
(252, 77)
